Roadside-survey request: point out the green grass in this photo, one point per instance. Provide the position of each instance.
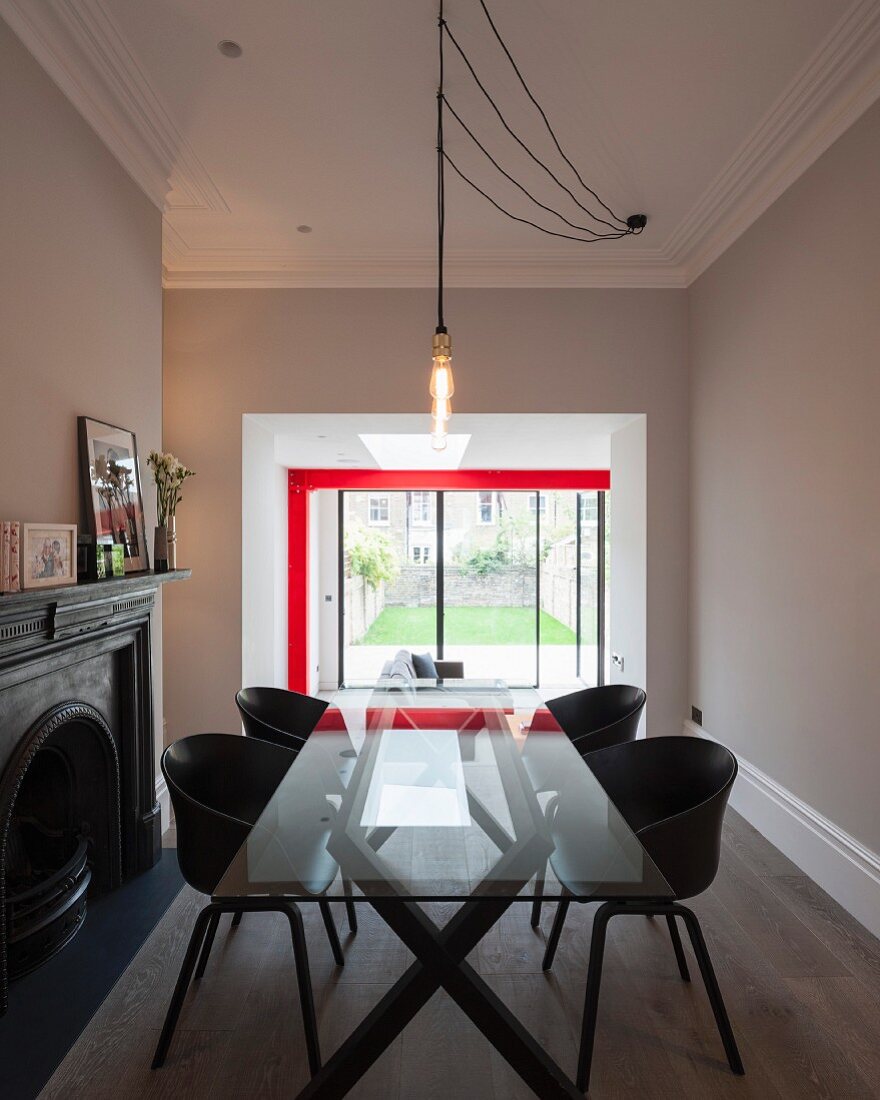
(416, 626)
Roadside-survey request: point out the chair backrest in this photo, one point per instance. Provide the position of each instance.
(219, 785)
(673, 792)
(283, 717)
(601, 716)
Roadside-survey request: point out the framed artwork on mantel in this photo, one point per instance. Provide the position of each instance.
(48, 555)
(111, 482)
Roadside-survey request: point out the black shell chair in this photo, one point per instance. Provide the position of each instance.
(672, 792)
(280, 716)
(599, 717)
(595, 718)
(219, 785)
(285, 718)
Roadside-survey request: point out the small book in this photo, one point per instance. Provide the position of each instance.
(4, 556)
(14, 556)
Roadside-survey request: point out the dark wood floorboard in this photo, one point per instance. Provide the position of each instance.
(800, 976)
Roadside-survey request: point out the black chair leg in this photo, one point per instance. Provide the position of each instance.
(555, 933)
(304, 983)
(539, 890)
(679, 950)
(332, 934)
(591, 1001)
(236, 918)
(183, 980)
(712, 989)
(207, 945)
(350, 907)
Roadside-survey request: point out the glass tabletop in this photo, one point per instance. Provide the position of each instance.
(440, 796)
(427, 693)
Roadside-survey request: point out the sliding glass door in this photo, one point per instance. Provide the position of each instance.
(589, 607)
(388, 578)
(490, 609)
(510, 583)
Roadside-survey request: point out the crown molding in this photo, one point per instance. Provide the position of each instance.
(81, 48)
(247, 268)
(839, 83)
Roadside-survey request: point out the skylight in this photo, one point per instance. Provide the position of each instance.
(414, 452)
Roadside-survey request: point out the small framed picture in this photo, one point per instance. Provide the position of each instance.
(111, 483)
(48, 554)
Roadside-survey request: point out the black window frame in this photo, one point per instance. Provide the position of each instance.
(439, 564)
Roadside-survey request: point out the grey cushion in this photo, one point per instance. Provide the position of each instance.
(401, 670)
(424, 666)
(404, 657)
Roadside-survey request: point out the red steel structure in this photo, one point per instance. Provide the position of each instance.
(303, 482)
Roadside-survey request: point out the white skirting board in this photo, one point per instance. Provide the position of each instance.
(839, 863)
(164, 800)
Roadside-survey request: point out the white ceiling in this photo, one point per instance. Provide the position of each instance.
(697, 112)
(520, 441)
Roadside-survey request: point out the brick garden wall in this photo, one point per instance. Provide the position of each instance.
(512, 586)
(416, 586)
(363, 605)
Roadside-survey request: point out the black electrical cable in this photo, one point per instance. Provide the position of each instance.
(441, 183)
(444, 27)
(632, 226)
(516, 183)
(550, 232)
(543, 115)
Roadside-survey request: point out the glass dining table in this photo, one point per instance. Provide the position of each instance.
(440, 792)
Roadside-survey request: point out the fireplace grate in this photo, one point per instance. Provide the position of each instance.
(42, 918)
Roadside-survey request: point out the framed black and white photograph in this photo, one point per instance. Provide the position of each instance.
(48, 555)
(112, 489)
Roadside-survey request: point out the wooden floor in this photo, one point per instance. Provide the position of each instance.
(801, 979)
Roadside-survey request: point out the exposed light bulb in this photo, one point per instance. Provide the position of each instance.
(442, 382)
(442, 388)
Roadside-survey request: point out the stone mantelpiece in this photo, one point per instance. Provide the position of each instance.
(86, 647)
(41, 615)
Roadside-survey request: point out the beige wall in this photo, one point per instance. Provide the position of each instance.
(80, 298)
(229, 352)
(785, 467)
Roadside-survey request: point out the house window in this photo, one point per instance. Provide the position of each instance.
(589, 507)
(421, 555)
(486, 508)
(379, 511)
(538, 504)
(421, 509)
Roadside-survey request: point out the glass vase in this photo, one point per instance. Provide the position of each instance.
(172, 542)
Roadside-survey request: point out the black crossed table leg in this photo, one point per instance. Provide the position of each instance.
(440, 964)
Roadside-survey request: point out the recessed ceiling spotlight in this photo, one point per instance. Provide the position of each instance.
(229, 48)
(303, 229)
(322, 437)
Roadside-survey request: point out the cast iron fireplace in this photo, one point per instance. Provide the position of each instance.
(78, 809)
(62, 832)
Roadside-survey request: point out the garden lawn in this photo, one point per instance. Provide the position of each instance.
(416, 626)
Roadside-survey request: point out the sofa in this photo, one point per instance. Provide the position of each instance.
(404, 668)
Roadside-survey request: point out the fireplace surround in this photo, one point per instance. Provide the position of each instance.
(78, 809)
